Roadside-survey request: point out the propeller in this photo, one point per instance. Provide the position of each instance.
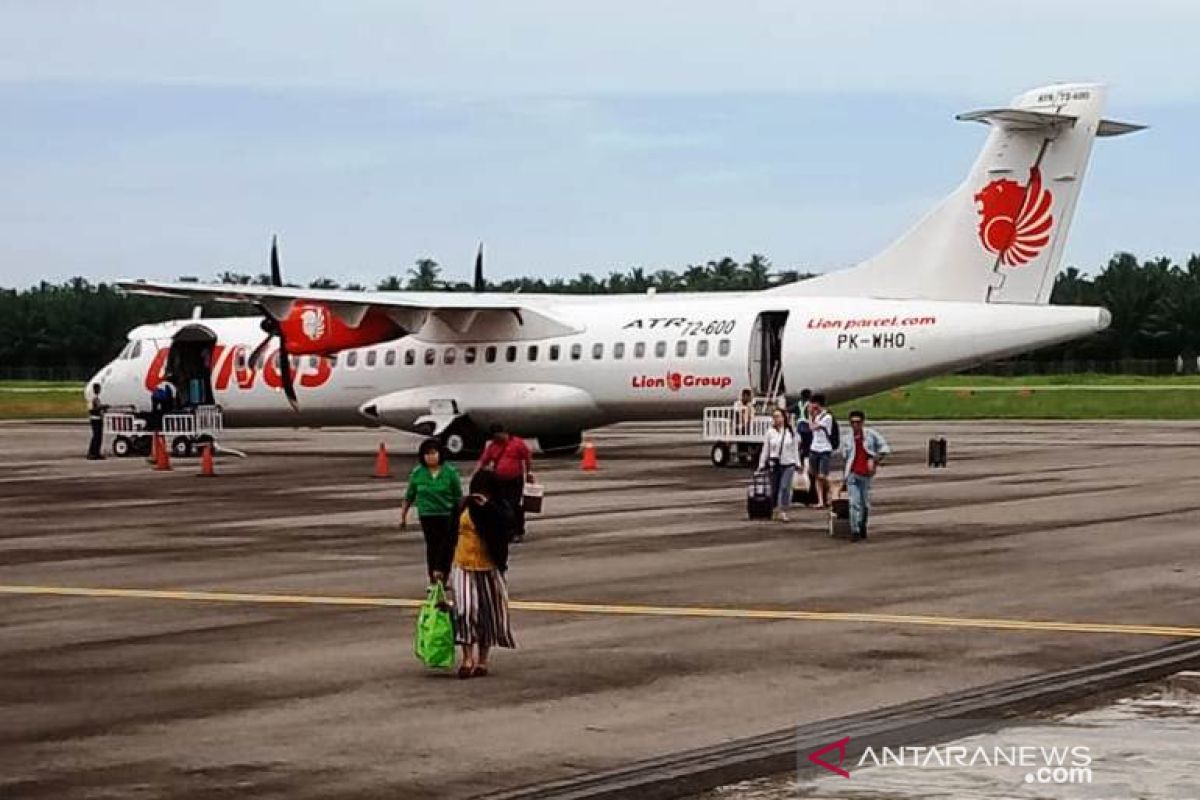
(480, 284)
(270, 326)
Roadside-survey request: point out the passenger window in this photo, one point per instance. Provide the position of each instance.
(702, 348)
(489, 355)
(660, 349)
(510, 353)
(371, 357)
(532, 353)
(619, 350)
(313, 362)
(430, 356)
(469, 355)
(137, 350)
(554, 350)
(352, 359)
(410, 357)
(576, 352)
(449, 355)
(389, 358)
(723, 347)
(598, 350)
(639, 350)
(681, 348)
(241, 359)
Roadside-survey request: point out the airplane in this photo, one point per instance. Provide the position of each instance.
(969, 283)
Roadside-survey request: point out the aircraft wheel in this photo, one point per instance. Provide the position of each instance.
(566, 444)
(720, 455)
(121, 446)
(181, 447)
(462, 440)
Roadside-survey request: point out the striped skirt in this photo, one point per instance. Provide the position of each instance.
(480, 608)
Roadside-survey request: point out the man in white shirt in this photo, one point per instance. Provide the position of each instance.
(821, 451)
(743, 412)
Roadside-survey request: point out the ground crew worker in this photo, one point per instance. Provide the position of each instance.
(96, 411)
(512, 461)
(743, 412)
(864, 451)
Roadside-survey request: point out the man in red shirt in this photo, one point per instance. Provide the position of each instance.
(512, 461)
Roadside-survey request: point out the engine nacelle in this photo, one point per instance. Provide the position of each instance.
(314, 329)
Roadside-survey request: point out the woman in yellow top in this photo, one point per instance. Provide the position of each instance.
(477, 576)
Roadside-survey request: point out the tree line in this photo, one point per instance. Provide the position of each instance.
(1155, 306)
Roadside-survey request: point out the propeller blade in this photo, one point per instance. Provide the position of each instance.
(276, 275)
(285, 375)
(253, 360)
(479, 282)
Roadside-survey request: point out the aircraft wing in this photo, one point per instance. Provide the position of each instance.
(413, 311)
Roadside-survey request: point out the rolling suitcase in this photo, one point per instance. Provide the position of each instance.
(839, 519)
(758, 496)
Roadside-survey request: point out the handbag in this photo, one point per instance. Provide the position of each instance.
(531, 499)
(434, 639)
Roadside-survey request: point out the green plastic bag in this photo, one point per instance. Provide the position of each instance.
(434, 640)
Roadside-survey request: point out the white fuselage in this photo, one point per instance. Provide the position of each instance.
(642, 357)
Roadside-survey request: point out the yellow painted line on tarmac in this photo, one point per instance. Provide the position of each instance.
(603, 609)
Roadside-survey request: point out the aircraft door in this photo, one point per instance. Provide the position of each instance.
(766, 354)
(189, 365)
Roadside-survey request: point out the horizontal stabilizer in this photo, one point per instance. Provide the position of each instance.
(1019, 119)
(1111, 127)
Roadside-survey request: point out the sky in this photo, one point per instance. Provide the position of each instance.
(143, 139)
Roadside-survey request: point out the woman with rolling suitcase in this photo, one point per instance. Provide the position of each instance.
(780, 456)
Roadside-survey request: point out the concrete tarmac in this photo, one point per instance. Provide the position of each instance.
(174, 695)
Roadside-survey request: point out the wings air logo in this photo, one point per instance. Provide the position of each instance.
(312, 322)
(1015, 220)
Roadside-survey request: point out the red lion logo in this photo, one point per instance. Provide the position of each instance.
(674, 381)
(1015, 220)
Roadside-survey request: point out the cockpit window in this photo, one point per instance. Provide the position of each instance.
(137, 350)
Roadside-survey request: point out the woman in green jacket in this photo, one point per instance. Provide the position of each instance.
(436, 489)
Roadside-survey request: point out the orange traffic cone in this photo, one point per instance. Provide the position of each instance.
(381, 462)
(589, 457)
(163, 463)
(206, 462)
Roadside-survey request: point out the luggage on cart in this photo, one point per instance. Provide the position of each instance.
(758, 496)
(839, 518)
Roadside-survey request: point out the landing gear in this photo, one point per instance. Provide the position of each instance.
(462, 439)
(564, 444)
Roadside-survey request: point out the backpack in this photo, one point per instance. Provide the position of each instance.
(835, 436)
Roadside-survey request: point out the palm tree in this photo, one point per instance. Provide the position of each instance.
(758, 272)
(423, 275)
(391, 283)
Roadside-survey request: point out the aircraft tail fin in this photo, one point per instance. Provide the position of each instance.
(999, 237)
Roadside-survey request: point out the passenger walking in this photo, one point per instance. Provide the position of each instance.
(864, 452)
(511, 460)
(435, 488)
(96, 409)
(824, 442)
(477, 583)
(781, 455)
